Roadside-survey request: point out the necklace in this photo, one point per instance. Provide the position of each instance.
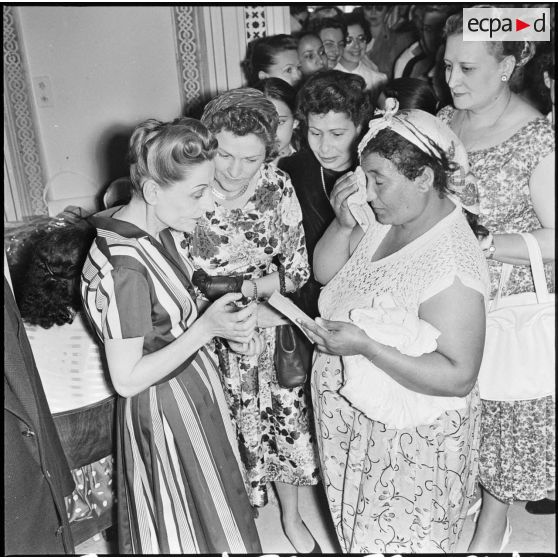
(234, 196)
(471, 145)
(323, 182)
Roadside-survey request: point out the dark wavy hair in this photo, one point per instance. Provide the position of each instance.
(166, 151)
(356, 18)
(409, 160)
(412, 93)
(278, 89)
(47, 292)
(316, 25)
(332, 90)
(244, 111)
(261, 53)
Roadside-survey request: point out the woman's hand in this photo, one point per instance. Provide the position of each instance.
(269, 317)
(337, 338)
(344, 187)
(224, 319)
(254, 347)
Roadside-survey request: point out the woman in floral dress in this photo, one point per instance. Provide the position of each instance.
(511, 151)
(257, 221)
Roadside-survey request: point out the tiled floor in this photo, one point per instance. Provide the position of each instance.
(531, 533)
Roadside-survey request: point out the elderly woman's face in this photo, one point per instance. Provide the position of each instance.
(181, 204)
(394, 198)
(238, 159)
(473, 74)
(285, 66)
(311, 55)
(332, 138)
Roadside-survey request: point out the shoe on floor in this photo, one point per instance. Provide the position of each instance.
(541, 507)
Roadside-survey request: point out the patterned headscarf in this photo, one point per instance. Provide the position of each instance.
(433, 137)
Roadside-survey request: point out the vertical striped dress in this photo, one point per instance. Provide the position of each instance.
(180, 489)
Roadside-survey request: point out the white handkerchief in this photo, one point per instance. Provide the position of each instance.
(357, 201)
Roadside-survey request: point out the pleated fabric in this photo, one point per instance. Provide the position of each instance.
(179, 486)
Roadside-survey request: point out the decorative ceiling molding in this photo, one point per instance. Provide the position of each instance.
(19, 123)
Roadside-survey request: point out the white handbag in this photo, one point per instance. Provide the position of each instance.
(519, 352)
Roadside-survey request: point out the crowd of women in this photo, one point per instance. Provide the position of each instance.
(448, 159)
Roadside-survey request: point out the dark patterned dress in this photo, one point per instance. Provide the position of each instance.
(180, 489)
(272, 423)
(517, 455)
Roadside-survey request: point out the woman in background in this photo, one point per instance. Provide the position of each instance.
(511, 151)
(283, 97)
(273, 56)
(331, 108)
(180, 489)
(68, 358)
(311, 53)
(354, 53)
(254, 242)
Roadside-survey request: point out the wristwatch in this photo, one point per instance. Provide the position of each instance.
(489, 252)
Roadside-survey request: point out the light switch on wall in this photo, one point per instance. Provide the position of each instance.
(43, 91)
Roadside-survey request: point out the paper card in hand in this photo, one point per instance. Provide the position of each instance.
(289, 309)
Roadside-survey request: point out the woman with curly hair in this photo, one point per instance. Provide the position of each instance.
(78, 390)
(253, 242)
(180, 488)
(331, 108)
(273, 56)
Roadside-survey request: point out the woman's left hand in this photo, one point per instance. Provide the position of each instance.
(336, 338)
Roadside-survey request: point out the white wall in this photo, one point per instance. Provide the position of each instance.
(109, 68)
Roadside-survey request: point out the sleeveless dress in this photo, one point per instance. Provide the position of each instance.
(517, 454)
(398, 490)
(179, 486)
(272, 423)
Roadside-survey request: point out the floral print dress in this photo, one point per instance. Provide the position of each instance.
(272, 423)
(517, 452)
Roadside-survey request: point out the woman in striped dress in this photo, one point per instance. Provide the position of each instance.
(180, 489)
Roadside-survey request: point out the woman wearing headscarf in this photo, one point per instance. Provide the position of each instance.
(252, 238)
(405, 293)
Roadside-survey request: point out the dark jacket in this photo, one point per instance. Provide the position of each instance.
(387, 48)
(317, 214)
(36, 473)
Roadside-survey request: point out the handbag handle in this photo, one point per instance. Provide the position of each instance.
(537, 270)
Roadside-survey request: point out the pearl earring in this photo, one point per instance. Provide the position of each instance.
(504, 78)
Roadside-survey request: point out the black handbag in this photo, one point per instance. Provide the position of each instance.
(293, 352)
(293, 356)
